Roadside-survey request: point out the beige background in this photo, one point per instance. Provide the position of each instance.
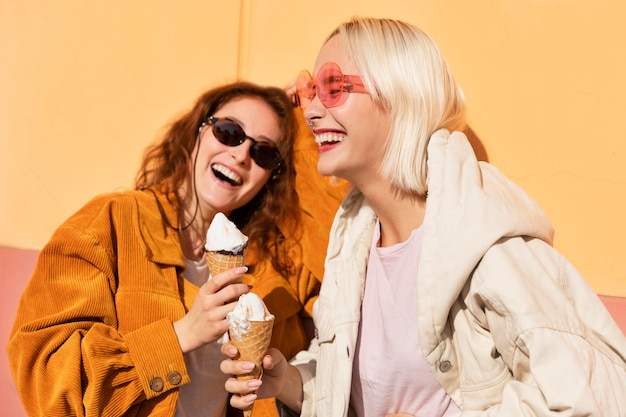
(86, 85)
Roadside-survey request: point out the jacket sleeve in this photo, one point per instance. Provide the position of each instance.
(66, 354)
(565, 353)
(306, 361)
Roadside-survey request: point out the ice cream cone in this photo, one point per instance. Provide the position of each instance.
(220, 262)
(252, 347)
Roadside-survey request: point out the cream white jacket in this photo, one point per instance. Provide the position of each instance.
(506, 323)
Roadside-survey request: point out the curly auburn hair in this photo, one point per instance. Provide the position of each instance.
(166, 164)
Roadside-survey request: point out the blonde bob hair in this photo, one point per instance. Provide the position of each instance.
(406, 75)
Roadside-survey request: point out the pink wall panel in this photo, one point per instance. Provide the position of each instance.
(617, 307)
(16, 266)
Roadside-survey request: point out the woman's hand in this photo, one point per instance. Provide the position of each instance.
(206, 321)
(276, 374)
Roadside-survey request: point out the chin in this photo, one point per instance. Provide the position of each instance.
(325, 171)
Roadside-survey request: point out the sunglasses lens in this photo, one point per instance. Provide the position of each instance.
(228, 133)
(305, 89)
(330, 86)
(264, 154)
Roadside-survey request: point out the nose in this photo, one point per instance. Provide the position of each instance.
(315, 109)
(241, 153)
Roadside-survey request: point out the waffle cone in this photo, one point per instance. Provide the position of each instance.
(219, 262)
(252, 347)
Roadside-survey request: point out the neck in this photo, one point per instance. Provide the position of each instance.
(192, 243)
(192, 232)
(399, 213)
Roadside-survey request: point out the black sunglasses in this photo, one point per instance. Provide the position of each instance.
(229, 133)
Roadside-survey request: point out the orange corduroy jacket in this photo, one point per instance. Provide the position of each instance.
(93, 333)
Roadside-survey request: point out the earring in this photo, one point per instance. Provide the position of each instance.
(310, 123)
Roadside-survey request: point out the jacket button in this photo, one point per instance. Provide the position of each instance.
(444, 366)
(156, 384)
(174, 378)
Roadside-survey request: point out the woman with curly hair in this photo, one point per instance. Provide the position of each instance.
(120, 317)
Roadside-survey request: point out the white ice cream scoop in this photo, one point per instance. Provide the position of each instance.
(250, 307)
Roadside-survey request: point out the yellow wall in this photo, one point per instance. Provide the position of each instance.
(85, 86)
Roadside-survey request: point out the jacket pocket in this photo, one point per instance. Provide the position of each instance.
(483, 370)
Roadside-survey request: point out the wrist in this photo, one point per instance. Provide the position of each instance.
(185, 344)
(291, 393)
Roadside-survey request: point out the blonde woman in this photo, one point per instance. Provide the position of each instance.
(442, 293)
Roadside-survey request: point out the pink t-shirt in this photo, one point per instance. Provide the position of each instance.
(390, 374)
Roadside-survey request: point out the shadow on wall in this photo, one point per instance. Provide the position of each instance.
(477, 145)
(17, 266)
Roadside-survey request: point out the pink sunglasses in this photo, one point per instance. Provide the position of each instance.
(329, 85)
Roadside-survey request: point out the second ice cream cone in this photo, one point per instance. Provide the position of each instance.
(253, 345)
(250, 327)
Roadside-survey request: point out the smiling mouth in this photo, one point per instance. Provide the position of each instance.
(226, 175)
(328, 139)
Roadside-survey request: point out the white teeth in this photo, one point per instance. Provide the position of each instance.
(227, 173)
(328, 138)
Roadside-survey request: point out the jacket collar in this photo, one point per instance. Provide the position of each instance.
(156, 219)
